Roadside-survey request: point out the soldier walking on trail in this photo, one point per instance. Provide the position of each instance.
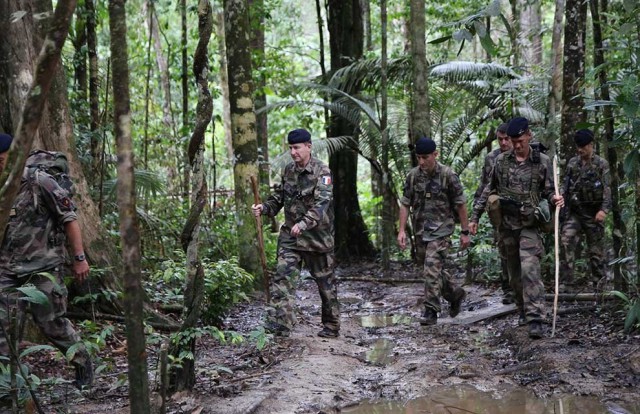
(433, 194)
(521, 187)
(587, 189)
(41, 222)
(504, 143)
(306, 236)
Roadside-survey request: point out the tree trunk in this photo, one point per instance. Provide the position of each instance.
(599, 20)
(366, 16)
(80, 53)
(184, 76)
(23, 39)
(530, 42)
(224, 86)
(420, 113)
(94, 97)
(555, 89)
(243, 126)
(129, 231)
(346, 42)
(573, 74)
(184, 376)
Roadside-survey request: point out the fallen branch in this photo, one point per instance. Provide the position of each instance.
(117, 318)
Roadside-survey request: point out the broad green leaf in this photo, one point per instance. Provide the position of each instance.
(493, 9)
(439, 40)
(631, 163)
(33, 295)
(36, 348)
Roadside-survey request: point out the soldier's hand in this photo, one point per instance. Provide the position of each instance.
(257, 209)
(80, 270)
(465, 240)
(473, 228)
(402, 240)
(295, 230)
(600, 216)
(558, 201)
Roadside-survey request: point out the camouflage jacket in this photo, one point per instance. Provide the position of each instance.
(432, 199)
(307, 197)
(34, 240)
(587, 187)
(513, 181)
(489, 162)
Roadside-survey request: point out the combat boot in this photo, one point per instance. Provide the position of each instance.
(84, 374)
(276, 329)
(328, 333)
(456, 302)
(522, 319)
(429, 317)
(535, 330)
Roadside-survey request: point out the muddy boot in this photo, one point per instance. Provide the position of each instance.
(277, 329)
(507, 298)
(535, 330)
(458, 297)
(522, 319)
(328, 333)
(429, 317)
(84, 375)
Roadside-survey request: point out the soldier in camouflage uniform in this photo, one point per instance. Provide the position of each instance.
(41, 221)
(522, 179)
(587, 189)
(504, 145)
(306, 236)
(433, 194)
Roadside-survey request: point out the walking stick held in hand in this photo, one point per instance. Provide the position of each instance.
(263, 259)
(556, 225)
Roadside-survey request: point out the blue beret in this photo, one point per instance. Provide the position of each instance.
(5, 142)
(425, 146)
(517, 127)
(583, 137)
(298, 135)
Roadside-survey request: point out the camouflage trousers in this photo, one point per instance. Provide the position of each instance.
(437, 279)
(524, 250)
(594, 234)
(283, 300)
(504, 274)
(49, 316)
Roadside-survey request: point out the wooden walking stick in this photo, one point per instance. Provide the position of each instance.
(556, 226)
(263, 259)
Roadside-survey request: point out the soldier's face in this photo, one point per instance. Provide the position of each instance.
(504, 141)
(427, 162)
(3, 160)
(300, 153)
(586, 151)
(521, 144)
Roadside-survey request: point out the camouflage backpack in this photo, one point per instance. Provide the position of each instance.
(52, 163)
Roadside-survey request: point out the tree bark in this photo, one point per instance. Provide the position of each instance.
(80, 52)
(346, 43)
(129, 231)
(243, 126)
(619, 228)
(388, 201)
(573, 74)
(420, 111)
(555, 89)
(184, 376)
(184, 76)
(94, 97)
(529, 38)
(224, 86)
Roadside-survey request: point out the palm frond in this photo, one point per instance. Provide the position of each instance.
(148, 184)
(460, 71)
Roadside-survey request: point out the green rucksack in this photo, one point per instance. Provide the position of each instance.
(52, 163)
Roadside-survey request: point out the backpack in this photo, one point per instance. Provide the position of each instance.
(52, 163)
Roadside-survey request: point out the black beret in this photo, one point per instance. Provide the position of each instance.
(517, 127)
(298, 135)
(5, 142)
(425, 146)
(583, 137)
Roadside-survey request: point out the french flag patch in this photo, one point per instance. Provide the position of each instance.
(326, 179)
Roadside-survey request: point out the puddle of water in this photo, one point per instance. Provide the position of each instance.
(380, 354)
(466, 399)
(382, 320)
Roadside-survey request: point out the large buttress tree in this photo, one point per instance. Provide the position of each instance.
(346, 39)
(21, 42)
(243, 127)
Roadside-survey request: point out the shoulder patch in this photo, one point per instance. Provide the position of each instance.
(326, 180)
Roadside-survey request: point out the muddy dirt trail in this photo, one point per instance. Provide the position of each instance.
(383, 354)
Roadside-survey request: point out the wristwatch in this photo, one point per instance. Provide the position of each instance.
(79, 258)
(464, 232)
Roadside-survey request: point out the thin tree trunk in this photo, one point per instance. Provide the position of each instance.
(366, 16)
(184, 377)
(420, 114)
(129, 231)
(555, 89)
(388, 218)
(573, 73)
(224, 86)
(185, 100)
(530, 42)
(147, 87)
(80, 53)
(243, 126)
(94, 97)
(599, 20)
